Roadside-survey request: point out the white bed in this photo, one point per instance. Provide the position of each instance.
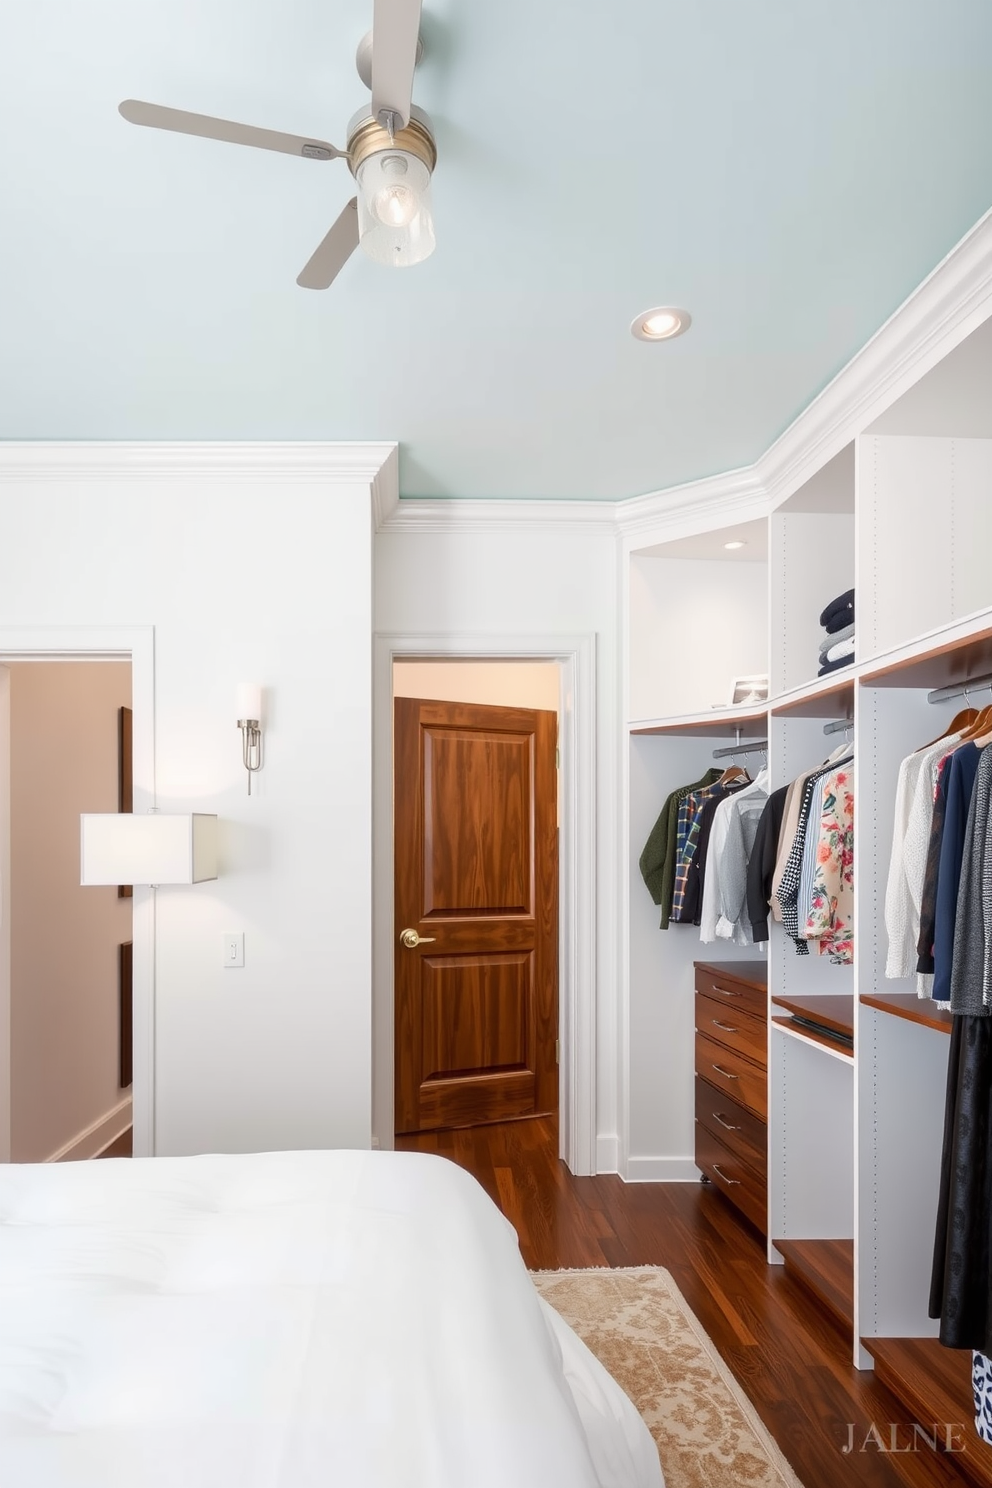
(282, 1320)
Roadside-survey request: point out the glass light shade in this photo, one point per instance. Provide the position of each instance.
(249, 701)
(395, 222)
(118, 848)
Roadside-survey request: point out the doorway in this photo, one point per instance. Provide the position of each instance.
(574, 658)
(133, 645)
(476, 898)
(66, 1078)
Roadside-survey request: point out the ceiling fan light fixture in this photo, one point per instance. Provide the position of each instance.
(395, 216)
(663, 323)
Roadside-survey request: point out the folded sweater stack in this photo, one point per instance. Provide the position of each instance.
(837, 647)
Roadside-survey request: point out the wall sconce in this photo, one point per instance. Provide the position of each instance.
(249, 722)
(119, 848)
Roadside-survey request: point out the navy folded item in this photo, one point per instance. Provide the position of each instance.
(840, 621)
(842, 605)
(834, 666)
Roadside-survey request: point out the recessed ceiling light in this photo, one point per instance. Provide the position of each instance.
(735, 544)
(661, 324)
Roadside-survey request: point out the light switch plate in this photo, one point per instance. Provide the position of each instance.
(234, 948)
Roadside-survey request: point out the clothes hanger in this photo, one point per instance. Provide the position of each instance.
(732, 772)
(979, 726)
(983, 722)
(959, 723)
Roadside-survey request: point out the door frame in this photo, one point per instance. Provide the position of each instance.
(135, 644)
(576, 659)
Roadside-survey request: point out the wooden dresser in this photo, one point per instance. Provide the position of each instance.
(731, 1082)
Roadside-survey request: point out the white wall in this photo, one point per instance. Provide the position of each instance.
(4, 914)
(502, 684)
(518, 582)
(262, 575)
(63, 939)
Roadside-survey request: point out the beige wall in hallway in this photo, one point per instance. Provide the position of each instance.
(506, 684)
(64, 939)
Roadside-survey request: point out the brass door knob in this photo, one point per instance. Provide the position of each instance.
(411, 939)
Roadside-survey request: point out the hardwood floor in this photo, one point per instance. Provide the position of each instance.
(783, 1348)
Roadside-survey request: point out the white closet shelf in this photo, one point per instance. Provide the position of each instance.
(826, 697)
(716, 723)
(951, 653)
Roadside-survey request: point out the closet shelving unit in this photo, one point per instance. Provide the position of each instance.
(904, 514)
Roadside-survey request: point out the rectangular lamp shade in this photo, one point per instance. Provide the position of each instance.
(117, 848)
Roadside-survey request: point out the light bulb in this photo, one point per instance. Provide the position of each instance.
(661, 325)
(395, 206)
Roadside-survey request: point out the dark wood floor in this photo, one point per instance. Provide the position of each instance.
(784, 1350)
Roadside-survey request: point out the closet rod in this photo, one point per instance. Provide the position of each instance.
(958, 689)
(753, 746)
(839, 726)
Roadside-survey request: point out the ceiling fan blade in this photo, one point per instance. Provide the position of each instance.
(331, 255)
(157, 117)
(395, 30)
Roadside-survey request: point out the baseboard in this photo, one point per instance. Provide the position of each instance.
(608, 1154)
(98, 1135)
(660, 1170)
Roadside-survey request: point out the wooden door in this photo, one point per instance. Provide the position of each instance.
(475, 813)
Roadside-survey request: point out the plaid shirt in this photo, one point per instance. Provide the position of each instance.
(688, 837)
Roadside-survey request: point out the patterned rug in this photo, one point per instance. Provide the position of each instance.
(639, 1326)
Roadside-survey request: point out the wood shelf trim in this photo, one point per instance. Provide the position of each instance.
(834, 1009)
(922, 1010)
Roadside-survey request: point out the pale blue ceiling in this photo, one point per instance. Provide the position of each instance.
(787, 171)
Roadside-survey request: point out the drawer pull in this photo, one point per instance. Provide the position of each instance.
(726, 1124)
(726, 991)
(735, 1181)
(725, 1026)
(725, 1073)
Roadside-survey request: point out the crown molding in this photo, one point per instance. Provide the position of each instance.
(214, 460)
(444, 515)
(695, 506)
(947, 306)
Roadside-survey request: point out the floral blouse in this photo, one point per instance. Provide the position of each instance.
(830, 920)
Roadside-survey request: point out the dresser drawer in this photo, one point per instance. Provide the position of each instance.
(734, 990)
(733, 1025)
(737, 1128)
(739, 1077)
(732, 1177)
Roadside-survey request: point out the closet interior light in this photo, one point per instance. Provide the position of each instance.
(737, 543)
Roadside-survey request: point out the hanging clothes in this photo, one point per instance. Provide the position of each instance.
(657, 860)
(787, 893)
(690, 810)
(735, 825)
(761, 865)
(961, 1279)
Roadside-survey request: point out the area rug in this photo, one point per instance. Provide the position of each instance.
(640, 1327)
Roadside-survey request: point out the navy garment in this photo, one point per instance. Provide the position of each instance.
(834, 666)
(960, 772)
(838, 613)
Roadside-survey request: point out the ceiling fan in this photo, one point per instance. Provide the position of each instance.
(390, 151)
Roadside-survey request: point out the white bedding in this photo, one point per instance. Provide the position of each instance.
(282, 1320)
